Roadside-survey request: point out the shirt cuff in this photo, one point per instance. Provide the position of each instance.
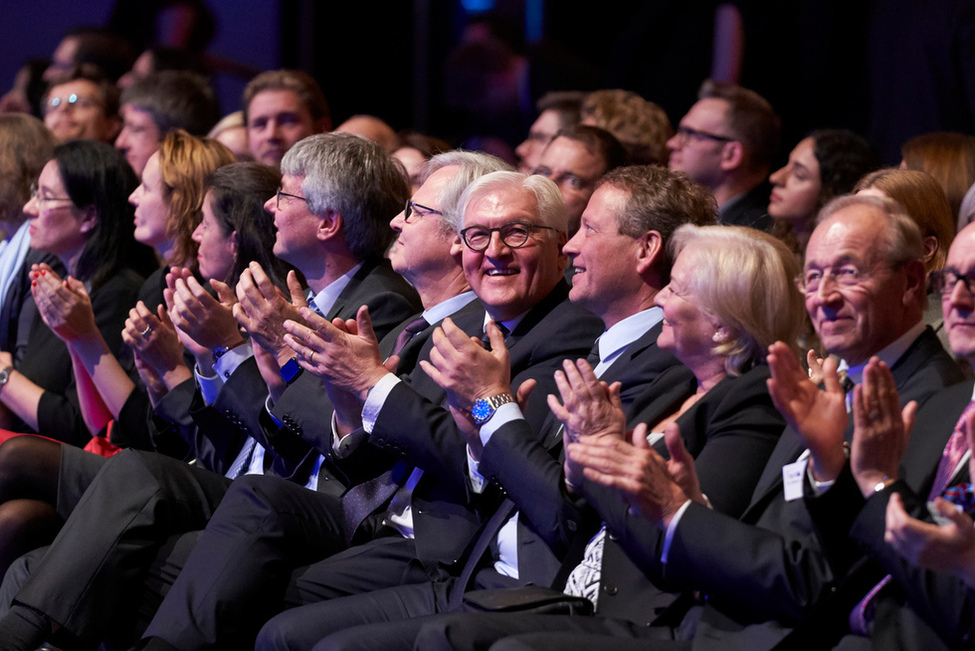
(819, 487)
(209, 385)
(344, 446)
(376, 399)
(473, 469)
(506, 413)
(671, 528)
(268, 405)
(230, 360)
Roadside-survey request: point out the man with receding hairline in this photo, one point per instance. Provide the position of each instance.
(727, 142)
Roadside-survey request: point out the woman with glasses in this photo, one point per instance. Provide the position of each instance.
(167, 210)
(823, 165)
(78, 212)
(234, 230)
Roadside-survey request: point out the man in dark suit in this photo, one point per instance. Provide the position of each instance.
(916, 608)
(728, 142)
(419, 516)
(621, 263)
(335, 232)
(764, 572)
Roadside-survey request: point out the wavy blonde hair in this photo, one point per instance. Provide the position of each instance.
(745, 280)
(185, 163)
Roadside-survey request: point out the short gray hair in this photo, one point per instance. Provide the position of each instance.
(473, 165)
(355, 177)
(551, 206)
(903, 238)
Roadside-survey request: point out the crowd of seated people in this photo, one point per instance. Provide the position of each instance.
(266, 383)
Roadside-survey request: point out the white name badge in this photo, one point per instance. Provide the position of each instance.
(793, 475)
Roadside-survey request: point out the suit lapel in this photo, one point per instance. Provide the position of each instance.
(790, 446)
(338, 308)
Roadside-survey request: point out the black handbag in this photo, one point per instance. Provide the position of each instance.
(528, 599)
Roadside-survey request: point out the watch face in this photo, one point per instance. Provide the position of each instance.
(481, 411)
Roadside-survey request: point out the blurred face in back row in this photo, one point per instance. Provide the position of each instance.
(276, 120)
(75, 110)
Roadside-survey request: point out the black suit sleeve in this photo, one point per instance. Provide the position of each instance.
(945, 602)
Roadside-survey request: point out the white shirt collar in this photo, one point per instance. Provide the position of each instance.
(510, 324)
(616, 339)
(326, 298)
(445, 308)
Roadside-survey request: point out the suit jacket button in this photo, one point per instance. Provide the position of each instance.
(611, 590)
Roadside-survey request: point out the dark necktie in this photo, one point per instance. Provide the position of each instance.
(962, 495)
(412, 329)
(362, 499)
(486, 339)
(845, 382)
(593, 357)
(552, 429)
(487, 536)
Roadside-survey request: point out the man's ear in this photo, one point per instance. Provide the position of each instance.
(732, 155)
(330, 225)
(917, 281)
(651, 248)
(457, 247)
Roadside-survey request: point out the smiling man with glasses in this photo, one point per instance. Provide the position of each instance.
(727, 142)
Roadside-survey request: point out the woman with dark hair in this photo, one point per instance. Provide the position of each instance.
(825, 164)
(235, 231)
(80, 214)
(168, 205)
(234, 221)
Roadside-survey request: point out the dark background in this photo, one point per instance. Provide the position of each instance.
(889, 69)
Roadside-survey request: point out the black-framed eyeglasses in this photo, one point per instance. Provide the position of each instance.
(944, 281)
(281, 193)
(36, 196)
(686, 133)
(413, 208)
(514, 235)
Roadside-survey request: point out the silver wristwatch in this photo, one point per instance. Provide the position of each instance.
(484, 408)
